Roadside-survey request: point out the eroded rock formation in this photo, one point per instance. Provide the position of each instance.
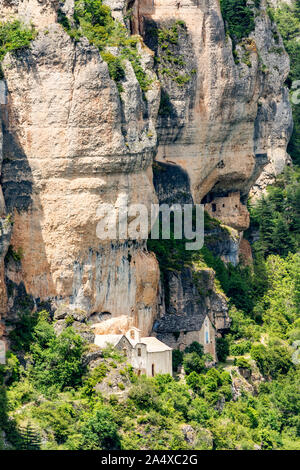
(70, 144)
(230, 119)
(72, 141)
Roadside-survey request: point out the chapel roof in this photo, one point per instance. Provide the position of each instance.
(154, 345)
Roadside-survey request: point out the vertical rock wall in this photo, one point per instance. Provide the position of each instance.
(225, 119)
(5, 223)
(72, 141)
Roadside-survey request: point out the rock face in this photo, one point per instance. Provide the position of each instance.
(190, 306)
(70, 145)
(227, 120)
(73, 142)
(5, 226)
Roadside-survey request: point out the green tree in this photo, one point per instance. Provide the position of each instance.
(100, 431)
(193, 362)
(195, 347)
(57, 360)
(177, 358)
(30, 438)
(282, 238)
(222, 346)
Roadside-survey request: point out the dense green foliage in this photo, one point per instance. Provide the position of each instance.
(156, 409)
(64, 410)
(264, 302)
(56, 359)
(171, 253)
(277, 216)
(238, 17)
(29, 438)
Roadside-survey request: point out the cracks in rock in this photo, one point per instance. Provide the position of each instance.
(73, 83)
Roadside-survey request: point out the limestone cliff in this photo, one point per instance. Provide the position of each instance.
(72, 139)
(231, 117)
(71, 143)
(5, 233)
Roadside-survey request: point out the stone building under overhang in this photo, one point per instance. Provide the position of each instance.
(147, 355)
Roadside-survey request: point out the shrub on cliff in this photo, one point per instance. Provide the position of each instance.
(222, 346)
(93, 20)
(14, 36)
(195, 347)
(115, 68)
(238, 18)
